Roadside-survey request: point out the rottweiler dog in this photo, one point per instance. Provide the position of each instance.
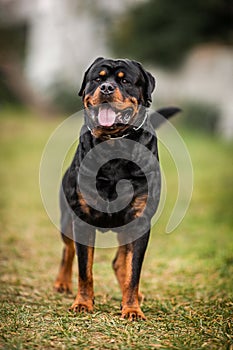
(116, 94)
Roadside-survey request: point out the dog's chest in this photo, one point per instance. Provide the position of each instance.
(117, 177)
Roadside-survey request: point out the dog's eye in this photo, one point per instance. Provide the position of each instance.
(125, 81)
(98, 80)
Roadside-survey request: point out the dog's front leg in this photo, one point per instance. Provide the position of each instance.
(84, 300)
(133, 263)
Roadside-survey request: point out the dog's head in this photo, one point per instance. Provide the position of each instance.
(115, 94)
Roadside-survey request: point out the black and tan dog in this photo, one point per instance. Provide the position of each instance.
(115, 96)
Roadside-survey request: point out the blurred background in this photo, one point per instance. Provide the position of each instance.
(46, 45)
(45, 48)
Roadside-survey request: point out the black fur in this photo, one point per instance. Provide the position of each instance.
(132, 83)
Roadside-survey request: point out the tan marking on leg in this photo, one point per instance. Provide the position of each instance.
(84, 300)
(84, 206)
(119, 266)
(139, 205)
(63, 282)
(130, 298)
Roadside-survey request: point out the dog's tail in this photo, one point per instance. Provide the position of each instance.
(157, 118)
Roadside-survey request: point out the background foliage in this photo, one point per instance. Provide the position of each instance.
(163, 31)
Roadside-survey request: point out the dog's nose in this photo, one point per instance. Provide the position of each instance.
(107, 88)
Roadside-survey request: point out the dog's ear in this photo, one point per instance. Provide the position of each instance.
(149, 84)
(81, 91)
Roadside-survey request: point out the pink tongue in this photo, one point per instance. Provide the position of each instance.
(106, 116)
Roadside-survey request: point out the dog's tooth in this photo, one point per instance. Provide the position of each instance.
(119, 116)
(127, 117)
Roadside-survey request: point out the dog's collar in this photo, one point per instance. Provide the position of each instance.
(142, 123)
(111, 137)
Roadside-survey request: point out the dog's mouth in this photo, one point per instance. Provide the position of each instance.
(108, 115)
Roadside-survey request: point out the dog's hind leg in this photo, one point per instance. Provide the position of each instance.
(84, 300)
(118, 265)
(63, 282)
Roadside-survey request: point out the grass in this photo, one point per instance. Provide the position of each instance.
(187, 275)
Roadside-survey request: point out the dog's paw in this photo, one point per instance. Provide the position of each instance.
(132, 313)
(82, 306)
(63, 287)
(141, 298)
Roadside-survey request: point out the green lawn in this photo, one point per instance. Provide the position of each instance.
(187, 275)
